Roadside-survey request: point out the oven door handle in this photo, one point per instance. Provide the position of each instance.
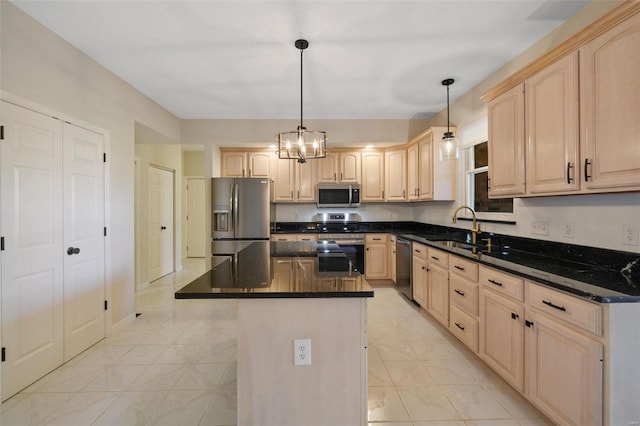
(350, 242)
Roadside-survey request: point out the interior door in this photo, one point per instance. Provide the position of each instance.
(160, 222)
(32, 259)
(84, 285)
(195, 218)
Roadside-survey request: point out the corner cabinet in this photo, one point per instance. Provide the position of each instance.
(429, 179)
(372, 177)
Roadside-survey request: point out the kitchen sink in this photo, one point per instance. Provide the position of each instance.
(459, 244)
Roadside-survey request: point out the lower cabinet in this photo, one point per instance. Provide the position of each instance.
(438, 286)
(392, 257)
(419, 274)
(563, 371)
(376, 256)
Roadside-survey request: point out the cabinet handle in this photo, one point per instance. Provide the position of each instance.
(334, 176)
(435, 258)
(377, 239)
(514, 315)
(417, 251)
(460, 268)
(560, 308)
(249, 172)
(298, 194)
(340, 175)
(461, 327)
(242, 172)
(569, 167)
(460, 292)
(587, 176)
(367, 248)
(488, 183)
(291, 194)
(495, 282)
(424, 267)
(528, 323)
(404, 193)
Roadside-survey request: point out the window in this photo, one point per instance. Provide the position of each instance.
(477, 157)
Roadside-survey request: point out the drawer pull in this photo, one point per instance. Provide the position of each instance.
(376, 239)
(417, 251)
(528, 323)
(514, 315)
(495, 282)
(461, 327)
(435, 258)
(560, 308)
(460, 268)
(460, 292)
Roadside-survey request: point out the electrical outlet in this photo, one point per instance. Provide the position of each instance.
(630, 234)
(540, 228)
(302, 352)
(568, 230)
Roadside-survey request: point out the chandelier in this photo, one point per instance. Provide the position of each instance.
(301, 144)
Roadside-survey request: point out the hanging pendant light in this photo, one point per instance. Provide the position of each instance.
(449, 143)
(301, 144)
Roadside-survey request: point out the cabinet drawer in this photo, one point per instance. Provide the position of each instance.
(502, 283)
(376, 238)
(419, 250)
(437, 257)
(307, 237)
(463, 294)
(581, 313)
(465, 268)
(392, 239)
(464, 327)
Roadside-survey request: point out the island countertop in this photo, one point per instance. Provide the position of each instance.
(269, 269)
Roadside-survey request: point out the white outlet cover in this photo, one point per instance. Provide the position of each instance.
(302, 352)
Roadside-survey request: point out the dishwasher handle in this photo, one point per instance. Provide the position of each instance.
(403, 242)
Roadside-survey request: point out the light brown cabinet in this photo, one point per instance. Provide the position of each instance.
(248, 164)
(609, 109)
(427, 177)
(419, 273)
(294, 237)
(506, 144)
(552, 108)
(295, 182)
(463, 301)
(413, 164)
(341, 166)
(438, 285)
(396, 175)
(392, 257)
(372, 185)
(376, 256)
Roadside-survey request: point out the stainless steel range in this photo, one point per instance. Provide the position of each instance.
(343, 229)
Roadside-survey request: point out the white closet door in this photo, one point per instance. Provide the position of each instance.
(32, 261)
(195, 218)
(160, 222)
(84, 286)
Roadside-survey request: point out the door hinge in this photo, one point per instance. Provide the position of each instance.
(3, 356)
(105, 231)
(1, 133)
(106, 305)
(104, 157)
(1, 243)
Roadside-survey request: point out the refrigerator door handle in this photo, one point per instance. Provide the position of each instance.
(235, 209)
(233, 221)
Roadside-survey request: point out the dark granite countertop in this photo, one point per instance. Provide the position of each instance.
(269, 269)
(607, 276)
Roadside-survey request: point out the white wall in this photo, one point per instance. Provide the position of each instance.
(41, 67)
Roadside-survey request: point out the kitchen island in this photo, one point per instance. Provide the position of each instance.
(288, 291)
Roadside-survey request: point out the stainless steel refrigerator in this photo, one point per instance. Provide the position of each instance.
(242, 208)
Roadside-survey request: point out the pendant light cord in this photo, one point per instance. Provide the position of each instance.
(301, 125)
(448, 130)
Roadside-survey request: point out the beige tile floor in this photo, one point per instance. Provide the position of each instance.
(175, 365)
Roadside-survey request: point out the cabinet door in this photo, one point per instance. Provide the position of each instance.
(350, 167)
(564, 372)
(412, 172)
(305, 274)
(306, 181)
(506, 144)
(234, 164)
(502, 336)
(284, 183)
(396, 176)
(328, 168)
(262, 164)
(283, 274)
(419, 280)
(425, 168)
(609, 105)
(552, 128)
(372, 176)
(376, 261)
(438, 294)
(392, 254)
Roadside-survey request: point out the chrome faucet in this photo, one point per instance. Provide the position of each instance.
(475, 228)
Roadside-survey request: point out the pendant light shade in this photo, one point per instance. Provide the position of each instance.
(301, 144)
(449, 143)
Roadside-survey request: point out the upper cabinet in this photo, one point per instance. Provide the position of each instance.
(435, 179)
(610, 109)
(570, 124)
(372, 185)
(248, 164)
(396, 176)
(340, 167)
(234, 164)
(412, 172)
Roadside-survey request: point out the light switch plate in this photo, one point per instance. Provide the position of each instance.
(540, 228)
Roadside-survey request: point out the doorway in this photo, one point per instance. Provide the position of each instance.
(161, 222)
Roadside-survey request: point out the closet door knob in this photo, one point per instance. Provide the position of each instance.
(73, 250)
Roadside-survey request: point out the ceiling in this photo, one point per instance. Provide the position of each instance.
(366, 59)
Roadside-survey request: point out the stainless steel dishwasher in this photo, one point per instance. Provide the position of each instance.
(403, 267)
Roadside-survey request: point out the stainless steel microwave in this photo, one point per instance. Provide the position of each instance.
(338, 195)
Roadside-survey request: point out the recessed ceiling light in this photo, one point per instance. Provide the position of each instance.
(369, 146)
